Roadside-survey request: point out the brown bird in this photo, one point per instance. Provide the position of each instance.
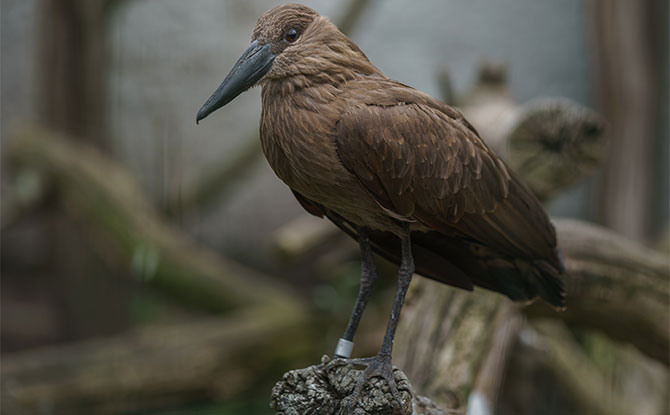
(400, 171)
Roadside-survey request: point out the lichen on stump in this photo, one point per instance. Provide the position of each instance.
(324, 389)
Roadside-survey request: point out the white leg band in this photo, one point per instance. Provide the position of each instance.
(344, 348)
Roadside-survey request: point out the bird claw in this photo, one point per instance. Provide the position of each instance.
(376, 366)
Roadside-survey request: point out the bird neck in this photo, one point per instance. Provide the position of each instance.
(326, 75)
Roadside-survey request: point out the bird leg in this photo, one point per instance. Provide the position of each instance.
(368, 278)
(381, 365)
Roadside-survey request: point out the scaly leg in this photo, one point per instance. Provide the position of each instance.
(368, 278)
(381, 365)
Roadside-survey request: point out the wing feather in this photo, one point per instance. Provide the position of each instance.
(423, 161)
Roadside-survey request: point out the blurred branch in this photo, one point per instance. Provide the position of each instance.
(468, 336)
(551, 143)
(609, 275)
(489, 106)
(606, 276)
(456, 329)
(158, 366)
(302, 235)
(352, 14)
(25, 191)
(217, 183)
(555, 144)
(130, 235)
(577, 373)
(488, 384)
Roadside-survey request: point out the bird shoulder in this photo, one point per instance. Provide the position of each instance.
(411, 151)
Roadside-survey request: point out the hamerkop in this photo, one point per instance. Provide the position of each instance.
(405, 174)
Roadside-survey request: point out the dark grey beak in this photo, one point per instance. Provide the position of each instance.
(250, 67)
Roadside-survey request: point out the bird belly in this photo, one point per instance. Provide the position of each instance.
(312, 168)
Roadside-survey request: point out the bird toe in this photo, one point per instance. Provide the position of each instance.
(377, 378)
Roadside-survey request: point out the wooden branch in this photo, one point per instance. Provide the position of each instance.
(554, 144)
(552, 364)
(487, 387)
(455, 331)
(300, 236)
(551, 143)
(613, 285)
(464, 345)
(129, 234)
(577, 373)
(616, 286)
(219, 183)
(489, 106)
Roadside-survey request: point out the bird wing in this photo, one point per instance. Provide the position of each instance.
(421, 160)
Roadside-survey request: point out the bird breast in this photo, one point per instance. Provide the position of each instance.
(296, 137)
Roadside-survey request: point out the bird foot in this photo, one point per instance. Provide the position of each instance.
(327, 388)
(379, 366)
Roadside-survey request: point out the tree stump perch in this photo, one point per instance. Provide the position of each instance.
(325, 389)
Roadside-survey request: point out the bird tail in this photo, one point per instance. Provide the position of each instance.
(464, 265)
(518, 279)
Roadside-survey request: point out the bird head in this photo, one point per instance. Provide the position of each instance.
(291, 42)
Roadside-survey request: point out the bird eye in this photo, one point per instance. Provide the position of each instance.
(292, 35)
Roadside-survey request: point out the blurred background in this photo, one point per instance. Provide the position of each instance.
(153, 266)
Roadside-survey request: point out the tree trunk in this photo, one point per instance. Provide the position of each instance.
(73, 67)
(628, 73)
